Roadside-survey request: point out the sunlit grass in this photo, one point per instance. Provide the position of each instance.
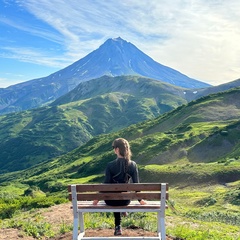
(185, 218)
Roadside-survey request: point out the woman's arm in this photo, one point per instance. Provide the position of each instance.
(107, 175)
(135, 179)
(134, 175)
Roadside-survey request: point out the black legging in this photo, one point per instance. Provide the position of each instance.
(117, 215)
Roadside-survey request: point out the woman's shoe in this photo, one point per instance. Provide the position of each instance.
(118, 230)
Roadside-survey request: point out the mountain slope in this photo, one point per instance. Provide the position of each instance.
(115, 57)
(198, 142)
(30, 137)
(119, 57)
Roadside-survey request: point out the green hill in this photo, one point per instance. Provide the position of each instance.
(138, 86)
(99, 106)
(199, 142)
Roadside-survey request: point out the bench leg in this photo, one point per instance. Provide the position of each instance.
(75, 229)
(81, 222)
(161, 227)
(78, 222)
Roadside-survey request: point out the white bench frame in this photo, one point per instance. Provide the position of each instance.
(81, 207)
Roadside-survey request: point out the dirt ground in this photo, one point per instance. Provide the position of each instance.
(57, 214)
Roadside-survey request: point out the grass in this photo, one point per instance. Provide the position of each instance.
(203, 213)
(226, 171)
(11, 204)
(34, 225)
(31, 224)
(203, 231)
(195, 212)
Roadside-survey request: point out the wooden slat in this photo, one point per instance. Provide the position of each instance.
(103, 206)
(120, 207)
(119, 196)
(132, 205)
(117, 187)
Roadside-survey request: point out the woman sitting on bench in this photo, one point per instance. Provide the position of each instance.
(121, 170)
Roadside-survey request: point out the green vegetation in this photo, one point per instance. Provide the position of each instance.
(10, 204)
(195, 148)
(195, 212)
(31, 137)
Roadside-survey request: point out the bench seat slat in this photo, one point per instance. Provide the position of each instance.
(132, 205)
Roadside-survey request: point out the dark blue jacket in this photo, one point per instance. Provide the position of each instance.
(115, 172)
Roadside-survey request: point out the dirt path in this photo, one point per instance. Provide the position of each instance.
(56, 215)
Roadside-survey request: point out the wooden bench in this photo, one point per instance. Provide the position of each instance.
(82, 196)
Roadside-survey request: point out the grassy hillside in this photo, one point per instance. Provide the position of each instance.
(31, 137)
(195, 148)
(138, 86)
(198, 141)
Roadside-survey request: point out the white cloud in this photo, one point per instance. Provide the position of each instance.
(199, 38)
(34, 56)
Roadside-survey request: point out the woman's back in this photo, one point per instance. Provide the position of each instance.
(121, 171)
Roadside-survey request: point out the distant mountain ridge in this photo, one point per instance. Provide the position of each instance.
(137, 86)
(197, 93)
(114, 58)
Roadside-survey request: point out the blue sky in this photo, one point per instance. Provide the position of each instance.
(199, 38)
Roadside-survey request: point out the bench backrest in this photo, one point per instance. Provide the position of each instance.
(131, 191)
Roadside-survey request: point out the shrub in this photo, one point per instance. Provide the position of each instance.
(208, 201)
(38, 229)
(64, 227)
(8, 210)
(233, 197)
(43, 202)
(217, 216)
